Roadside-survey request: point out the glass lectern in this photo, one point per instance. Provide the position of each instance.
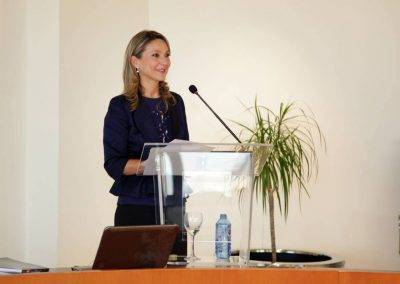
(207, 178)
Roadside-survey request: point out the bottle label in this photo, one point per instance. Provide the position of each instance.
(223, 241)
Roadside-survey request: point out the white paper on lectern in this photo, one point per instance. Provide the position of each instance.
(177, 163)
(175, 146)
(186, 146)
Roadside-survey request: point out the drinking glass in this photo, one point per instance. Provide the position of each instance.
(193, 221)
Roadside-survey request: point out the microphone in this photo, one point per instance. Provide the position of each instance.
(193, 90)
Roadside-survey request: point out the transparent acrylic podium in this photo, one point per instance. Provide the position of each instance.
(207, 178)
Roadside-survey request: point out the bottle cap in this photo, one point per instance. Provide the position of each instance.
(222, 216)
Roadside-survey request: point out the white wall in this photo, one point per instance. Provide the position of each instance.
(93, 37)
(342, 59)
(12, 127)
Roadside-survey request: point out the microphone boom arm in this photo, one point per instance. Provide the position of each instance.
(217, 116)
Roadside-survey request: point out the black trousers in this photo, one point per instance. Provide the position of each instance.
(137, 215)
(134, 215)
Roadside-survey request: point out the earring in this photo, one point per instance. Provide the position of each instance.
(137, 70)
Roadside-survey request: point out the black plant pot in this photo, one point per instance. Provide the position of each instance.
(293, 258)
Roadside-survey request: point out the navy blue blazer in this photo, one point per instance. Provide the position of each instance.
(124, 134)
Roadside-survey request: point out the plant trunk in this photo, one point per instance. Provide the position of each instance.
(272, 223)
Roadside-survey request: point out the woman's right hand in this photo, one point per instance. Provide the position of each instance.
(133, 167)
(140, 168)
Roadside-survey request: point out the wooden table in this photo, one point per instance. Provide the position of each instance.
(209, 275)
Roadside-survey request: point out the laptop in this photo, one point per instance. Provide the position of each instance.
(9, 265)
(134, 247)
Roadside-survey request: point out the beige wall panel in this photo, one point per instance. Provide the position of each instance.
(42, 132)
(93, 37)
(12, 127)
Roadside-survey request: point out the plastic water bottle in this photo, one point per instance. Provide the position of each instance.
(223, 238)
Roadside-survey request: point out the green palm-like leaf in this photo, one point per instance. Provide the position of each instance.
(292, 159)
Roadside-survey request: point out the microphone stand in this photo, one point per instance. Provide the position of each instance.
(193, 90)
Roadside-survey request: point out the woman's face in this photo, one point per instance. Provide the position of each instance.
(155, 61)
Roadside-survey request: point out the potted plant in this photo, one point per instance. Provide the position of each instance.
(293, 134)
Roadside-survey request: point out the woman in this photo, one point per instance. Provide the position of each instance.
(146, 112)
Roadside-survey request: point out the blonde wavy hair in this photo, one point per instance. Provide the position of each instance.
(131, 78)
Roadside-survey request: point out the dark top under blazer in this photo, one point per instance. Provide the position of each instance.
(125, 133)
